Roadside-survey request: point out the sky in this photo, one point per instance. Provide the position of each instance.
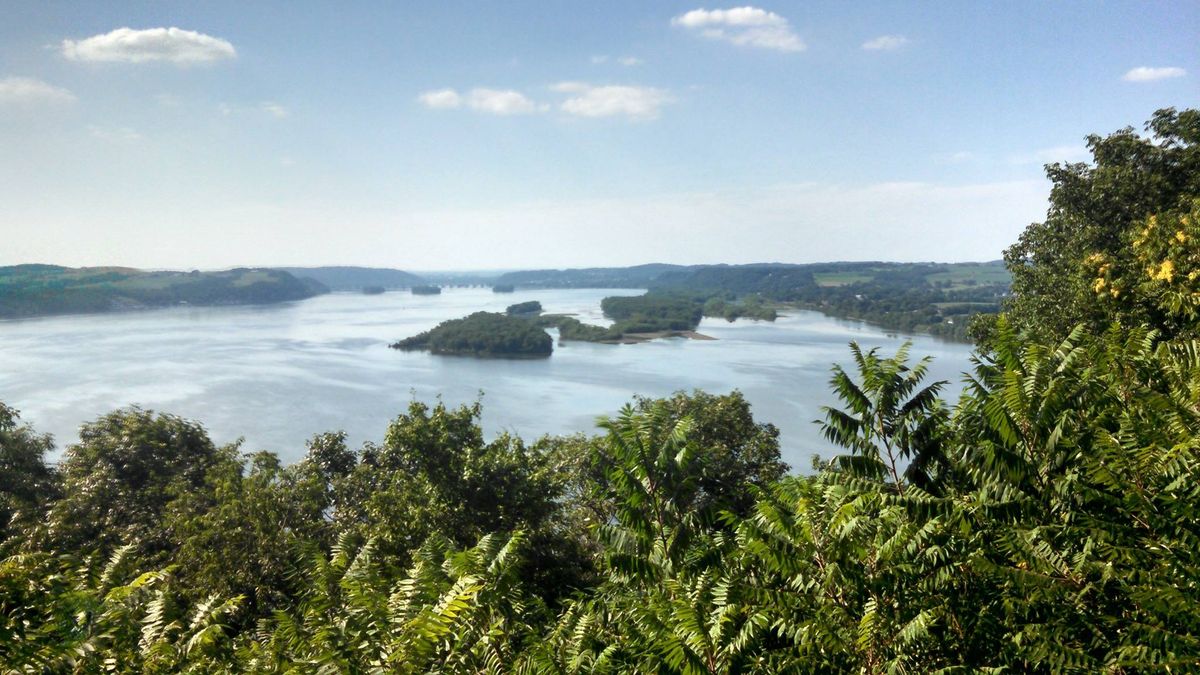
(449, 135)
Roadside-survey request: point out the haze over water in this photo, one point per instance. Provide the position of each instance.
(276, 375)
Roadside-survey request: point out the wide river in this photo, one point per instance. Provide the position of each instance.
(278, 374)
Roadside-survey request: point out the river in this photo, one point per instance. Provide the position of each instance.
(275, 375)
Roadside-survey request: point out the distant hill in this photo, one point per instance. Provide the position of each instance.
(356, 278)
(38, 290)
(938, 298)
(638, 276)
(776, 279)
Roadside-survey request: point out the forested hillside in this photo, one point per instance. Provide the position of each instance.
(36, 290)
(1048, 521)
(356, 278)
(936, 298)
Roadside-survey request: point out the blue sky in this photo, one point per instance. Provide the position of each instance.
(455, 135)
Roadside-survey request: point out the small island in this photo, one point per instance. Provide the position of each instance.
(531, 308)
(373, 290)
(426, 290)
(503, 288)
(483, 334)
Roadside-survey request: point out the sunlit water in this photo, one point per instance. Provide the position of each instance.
(276, 375)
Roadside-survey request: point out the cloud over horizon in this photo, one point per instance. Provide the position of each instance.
(28, 90)
(127, 45)
(482, 99)
(583, 100)
(743, 26)
(885, 43)
(634, 102)
(1149, 74)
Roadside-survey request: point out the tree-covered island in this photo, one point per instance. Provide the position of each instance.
(531, 308)
(485, 334)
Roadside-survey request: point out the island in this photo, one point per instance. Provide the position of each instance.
(531, 308)
(483, 334)
(373, 290)
(503, 288)
(426, 290)
(41, 290)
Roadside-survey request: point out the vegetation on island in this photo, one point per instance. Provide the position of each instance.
(38, 290)
(570, 328)
(1047, 521)
(503, 288)
(651, 313)
(426, 290)
(531, 308)
(749, 307)
(485, 334)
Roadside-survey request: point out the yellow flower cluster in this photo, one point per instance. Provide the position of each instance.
(1165, 272)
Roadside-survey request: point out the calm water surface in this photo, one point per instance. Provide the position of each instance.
(278, 374)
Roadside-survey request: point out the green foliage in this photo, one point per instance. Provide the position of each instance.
(750, 307)
(652, 313)
(1091, 260)
(27, 483)
(570, 328)
(127, 471)
(889, 420)
(533, 307)
(483, 334)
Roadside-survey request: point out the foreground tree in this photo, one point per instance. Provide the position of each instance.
(27, 484)
(1079, 265)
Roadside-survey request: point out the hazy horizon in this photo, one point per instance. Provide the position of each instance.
(493, 271)
(452, 136)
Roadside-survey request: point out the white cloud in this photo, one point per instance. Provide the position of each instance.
(747, 26)
(440, 99)
(127, 45)
(1148, 74)
(501, 102)
(27, 90)
(273, 109)
(885, 43)
(114, 134)
(623, 60)
(612, 100)
(482, 99)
